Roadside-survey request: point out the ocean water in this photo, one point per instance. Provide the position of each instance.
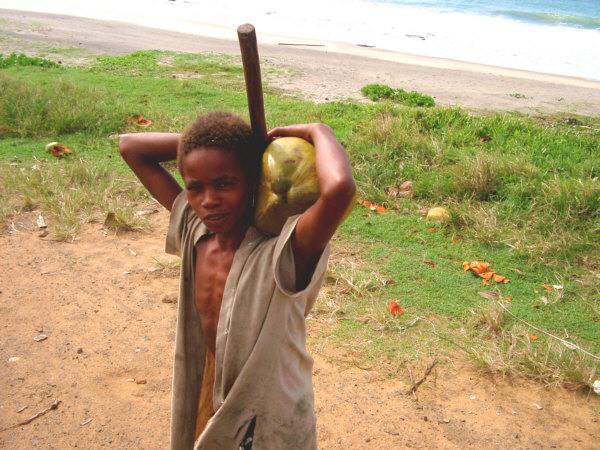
(548, 36)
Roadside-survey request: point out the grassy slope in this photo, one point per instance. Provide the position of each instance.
(527, 199)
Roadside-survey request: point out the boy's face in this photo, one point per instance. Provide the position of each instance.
(216, 188)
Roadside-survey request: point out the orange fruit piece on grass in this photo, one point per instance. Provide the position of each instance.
(57, 149)
(394, 308)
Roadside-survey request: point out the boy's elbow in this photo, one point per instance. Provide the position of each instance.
(349, 189)
(125, 147)
(342, 191)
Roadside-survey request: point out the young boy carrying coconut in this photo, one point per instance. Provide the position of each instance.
(242, 376)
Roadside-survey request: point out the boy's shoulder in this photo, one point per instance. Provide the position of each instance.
(185, 227)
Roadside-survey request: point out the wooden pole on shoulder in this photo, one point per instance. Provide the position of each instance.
(249, 49)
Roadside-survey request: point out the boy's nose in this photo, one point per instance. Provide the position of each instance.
(210, 199)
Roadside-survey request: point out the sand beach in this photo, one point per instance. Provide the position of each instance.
(319, 70)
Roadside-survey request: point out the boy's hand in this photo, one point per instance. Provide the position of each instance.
(318, 223)
(304, 131)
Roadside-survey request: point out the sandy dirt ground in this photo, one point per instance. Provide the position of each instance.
(106, 304)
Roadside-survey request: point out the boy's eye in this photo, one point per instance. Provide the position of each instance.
(224, 184)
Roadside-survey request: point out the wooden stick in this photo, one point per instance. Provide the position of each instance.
(301, 45)
(249, 50)
(418, 383)
(32, 418)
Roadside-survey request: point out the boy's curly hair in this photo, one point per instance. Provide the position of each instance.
(228, 132)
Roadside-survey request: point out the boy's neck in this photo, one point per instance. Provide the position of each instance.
(233, 238)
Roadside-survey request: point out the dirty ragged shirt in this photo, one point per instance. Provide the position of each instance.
(263, 373)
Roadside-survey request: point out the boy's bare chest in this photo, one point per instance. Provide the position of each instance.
(211, 271)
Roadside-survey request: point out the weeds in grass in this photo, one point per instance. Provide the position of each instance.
(59, 107)
(169, 268)
(381, 91)
(511, 351)
(142, 61)
(70, 193)
(521, 179)
(491, 319)
(184, 66)
(14, 60)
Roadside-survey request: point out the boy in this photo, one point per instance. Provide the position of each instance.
(242, 376)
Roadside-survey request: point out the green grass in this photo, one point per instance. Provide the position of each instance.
(526, 197)
(21, 59)
(381, 91)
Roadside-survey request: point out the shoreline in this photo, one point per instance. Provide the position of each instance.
(328, 70)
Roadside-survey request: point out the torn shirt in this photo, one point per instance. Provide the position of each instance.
(263, 373)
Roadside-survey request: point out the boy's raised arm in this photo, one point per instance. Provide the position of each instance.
(144, 152)
(318, 223)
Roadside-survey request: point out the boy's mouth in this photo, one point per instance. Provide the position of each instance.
(213, 217)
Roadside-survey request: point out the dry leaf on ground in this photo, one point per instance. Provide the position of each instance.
(483, 270)
(394, 308)
(140, 120)
(490, 295)
(371, 206)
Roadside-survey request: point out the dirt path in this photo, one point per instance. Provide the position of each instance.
(109, 318)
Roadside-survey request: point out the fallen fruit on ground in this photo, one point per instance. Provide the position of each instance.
(476, 266)
(394, 308)
(140, 120)
(437, 213)
(371, 206)
(483, 270)
(57, 149)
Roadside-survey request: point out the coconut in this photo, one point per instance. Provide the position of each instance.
(438, 213)
(288, 184)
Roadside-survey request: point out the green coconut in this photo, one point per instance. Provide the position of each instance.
(288, 184)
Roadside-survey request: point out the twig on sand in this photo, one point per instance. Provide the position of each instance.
(416, 385)
(301, 45)
(412, 380)
(32, 418)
